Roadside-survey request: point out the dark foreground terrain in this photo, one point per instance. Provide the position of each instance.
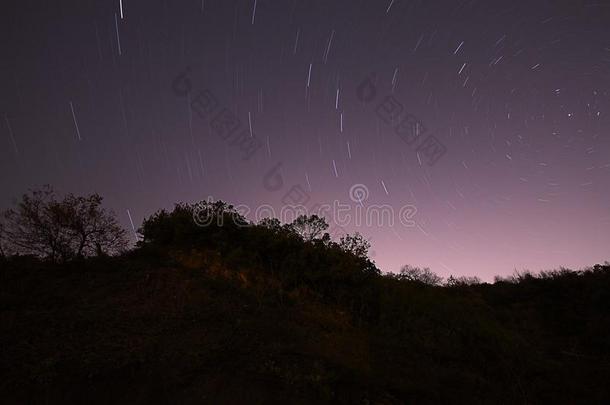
(200, 319)
(111, 332)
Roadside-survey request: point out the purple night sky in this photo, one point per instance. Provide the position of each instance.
(517, 94)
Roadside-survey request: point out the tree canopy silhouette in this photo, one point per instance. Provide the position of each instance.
(56, 229)
(425, 275)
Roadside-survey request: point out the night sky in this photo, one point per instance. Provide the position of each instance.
(489, 119)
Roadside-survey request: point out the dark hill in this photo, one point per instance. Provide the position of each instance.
(265, 314)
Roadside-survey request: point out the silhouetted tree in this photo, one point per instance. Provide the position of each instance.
(462, 281)
(192, 224)
(2, 241)
(273, 224)
(424, 275)
(309, 227)
(43, 226)
(355, 244)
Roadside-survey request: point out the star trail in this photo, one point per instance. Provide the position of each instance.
(488, 119)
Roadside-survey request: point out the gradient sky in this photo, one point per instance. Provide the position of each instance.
(516, 91)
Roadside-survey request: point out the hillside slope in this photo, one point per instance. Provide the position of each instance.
(270, 313)
(127, 331)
